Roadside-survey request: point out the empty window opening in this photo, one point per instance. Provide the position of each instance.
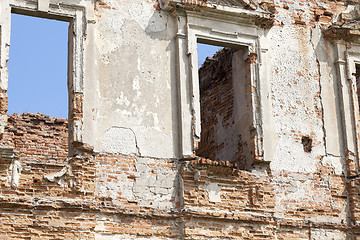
(37, 88)
(38, 66)
(224, 106)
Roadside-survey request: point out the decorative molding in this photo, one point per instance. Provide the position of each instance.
(43, 5)
(348, 100)
(260, 13)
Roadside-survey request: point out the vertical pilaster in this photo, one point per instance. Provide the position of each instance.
(5, 23)
(346, 103)
(184, 88)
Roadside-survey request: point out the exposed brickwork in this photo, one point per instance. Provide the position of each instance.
(219, 120)
(61, 197)
(246, 201)
(37, 137)
(249, 200)
(247, 4)
(3, 102)
(77, 106)
(309, 13)
(216, 99)
(263, 19)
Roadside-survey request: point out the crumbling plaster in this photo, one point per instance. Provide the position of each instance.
(152, 184)
(306, 61)
(131, 41)
(295, 96)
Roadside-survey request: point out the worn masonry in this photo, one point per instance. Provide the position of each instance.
(260, 142)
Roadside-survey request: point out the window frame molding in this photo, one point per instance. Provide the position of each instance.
(208, 26)
(347, 56)
(75, 15)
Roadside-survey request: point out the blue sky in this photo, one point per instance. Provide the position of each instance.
(204, 51)
(38, 65)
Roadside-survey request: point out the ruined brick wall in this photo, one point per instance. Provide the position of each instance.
(314, 190)
(37, 137)
(30, 206)
(131, 183)
(216, 100)
(223, 202)
(82, 196)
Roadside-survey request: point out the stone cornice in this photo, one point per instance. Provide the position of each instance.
(260, 13)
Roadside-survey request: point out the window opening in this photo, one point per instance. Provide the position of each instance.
(37, 87)
(38, 66)
(225, 117)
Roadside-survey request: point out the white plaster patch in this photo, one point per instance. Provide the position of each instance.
(148, 18)
(136, 86)
(295, 98)
(58, 177)
(154, 185)
(291, 157)
(119, 140)
(101, 227)
(213, 191)
(107, 40)
(327, 234)
(156, 119)
(15, 170)
(335, 162)
(3, 120)
(141, 13)
(43, 5)
(154, 142)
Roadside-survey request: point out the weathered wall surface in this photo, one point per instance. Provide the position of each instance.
(123, 175)
(131, 38)
(304, 87)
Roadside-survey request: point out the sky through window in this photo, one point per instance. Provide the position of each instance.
(38, 66)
